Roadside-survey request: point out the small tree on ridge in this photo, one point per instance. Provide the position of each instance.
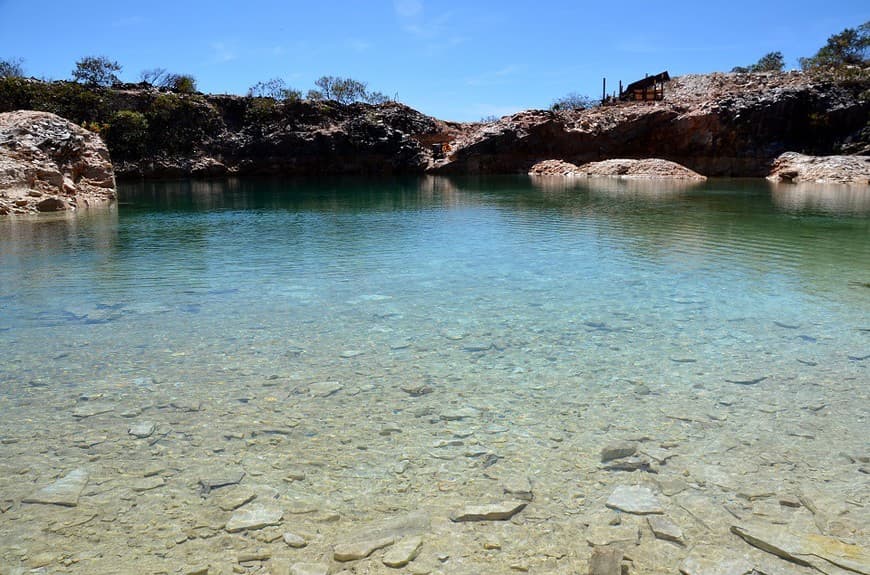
(96, 71)
(11, 68)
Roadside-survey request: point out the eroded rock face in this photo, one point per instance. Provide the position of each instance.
(301, 138)
(49, 164)
(797, 168)
(715, 124)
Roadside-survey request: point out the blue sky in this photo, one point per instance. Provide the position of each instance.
(454, 59)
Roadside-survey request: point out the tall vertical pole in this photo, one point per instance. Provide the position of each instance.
(603, 89)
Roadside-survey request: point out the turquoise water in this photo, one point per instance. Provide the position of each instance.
(730, 318)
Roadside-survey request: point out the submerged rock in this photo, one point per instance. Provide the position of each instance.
(309, 569)
(407, 525)
(65, 491)
(254, 516)
(493, 512)
(293, 540)
(518, 487)
(360, 549)
(664, 528)
(142, 429)
(403, 552)
(324, 388)
(709, 560)
(618, 450)
(634, 499)
(606, 561)
(220, 478)
(818, 551)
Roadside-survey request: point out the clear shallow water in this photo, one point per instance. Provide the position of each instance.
(567, 314)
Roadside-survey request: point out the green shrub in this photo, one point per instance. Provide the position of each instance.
(182, 83)
(178, 123)
(846, 55)
(771, 62)
(17, 94)
(127, 135)
(80, 103)
(572, 101)
(274, 88)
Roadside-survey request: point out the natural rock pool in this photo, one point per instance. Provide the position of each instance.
(433, 375)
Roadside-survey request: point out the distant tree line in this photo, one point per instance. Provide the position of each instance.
(174, 120)
(771, 62)
(99, 71)
(572, 101)
(845, 55)
(334, 88)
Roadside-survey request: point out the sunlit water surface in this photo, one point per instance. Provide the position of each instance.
(728, 322)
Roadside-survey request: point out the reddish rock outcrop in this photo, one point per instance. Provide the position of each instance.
(715, 124)
(794, 167)
(553, 168)
(49, 164)
(651, 168)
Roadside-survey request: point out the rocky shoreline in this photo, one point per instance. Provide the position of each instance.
(798, 168)
(732, 125)
(48, 164)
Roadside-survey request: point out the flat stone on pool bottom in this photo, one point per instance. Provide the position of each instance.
(254, 517)
(634, 499)
(65, 491)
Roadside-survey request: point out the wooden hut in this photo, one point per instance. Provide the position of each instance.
(650, 89)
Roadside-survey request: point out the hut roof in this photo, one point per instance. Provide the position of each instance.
(648, 82)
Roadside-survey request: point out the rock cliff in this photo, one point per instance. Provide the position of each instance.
(715, 124)
(299, 138)
(49, 164)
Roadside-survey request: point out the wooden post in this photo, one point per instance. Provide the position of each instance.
(603, 89)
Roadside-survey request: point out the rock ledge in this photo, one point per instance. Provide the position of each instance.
(650, 168)
(49, 164)
(794, 167)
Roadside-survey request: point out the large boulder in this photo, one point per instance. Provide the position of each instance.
(649, 168)
(794, 167)
(553, 168)
(50, 164)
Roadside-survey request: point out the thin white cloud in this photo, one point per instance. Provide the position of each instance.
(642, 45)
(408, 9)
(128, 22)
(494, 77)
(358, 45)
(223, 52)
(412, 18)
